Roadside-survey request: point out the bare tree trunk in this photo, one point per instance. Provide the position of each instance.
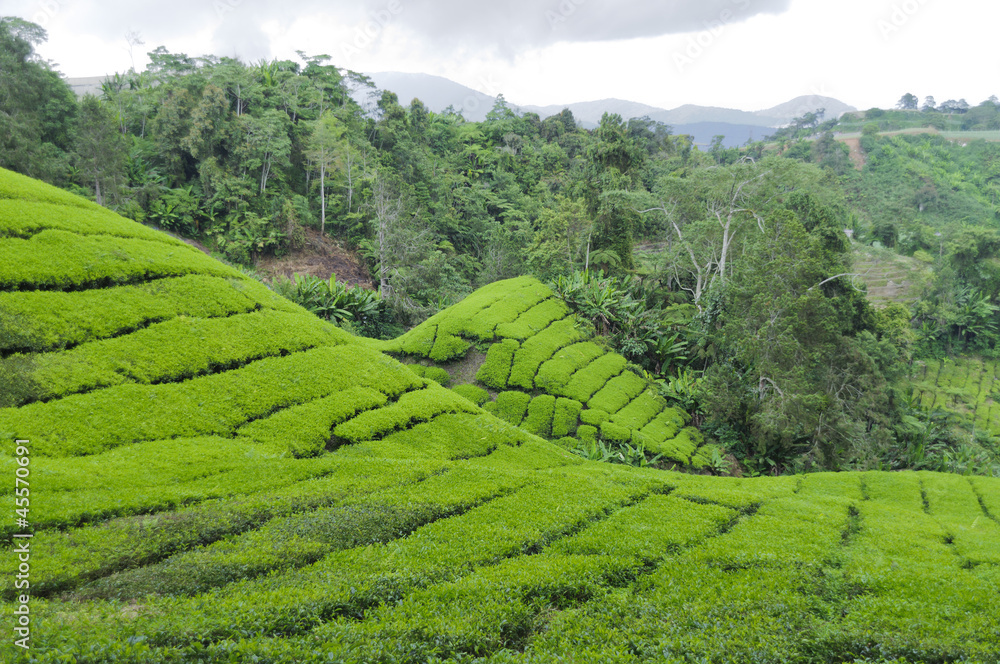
(97, 191)
(322, 199)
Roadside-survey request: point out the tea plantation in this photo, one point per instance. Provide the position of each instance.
(216, 475)
(544, 372)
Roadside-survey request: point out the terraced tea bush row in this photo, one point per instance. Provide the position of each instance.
(93, 488)
(618, 392)
(473, 393)
(967, 386)
(440, 337)
(60, 260)
(460, 435)
(499, 359)
(587, 381)
(349, 581)
(437, 374)
(215, 404)
(293, 540)
(459, 617)
(92, 552)
(411, 408)
(26, 218)
(306, 430)
(39, 321)
(170, 351)
(534, 320)
(17, 187)
(539, 348)
(555, 373)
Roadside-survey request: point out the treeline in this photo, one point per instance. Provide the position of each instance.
(245, 156)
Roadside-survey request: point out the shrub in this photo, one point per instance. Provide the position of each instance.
(23, 219)
(540, 413)
(539, 348)
(618, 392)
(565, 416)
(640, 411)
(586, 382)
(59, 260)
(176, 349)
(556, 372)
(215, 404)
(534, 320)
(592, 416)
(511, 406)
(615, 433)
(305, 430)
(473, 393)
(411, 408)
(496, 368)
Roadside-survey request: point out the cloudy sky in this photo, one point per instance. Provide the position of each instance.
(749, 54)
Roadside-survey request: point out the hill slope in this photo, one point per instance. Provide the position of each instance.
(549, 375)
(216, 476)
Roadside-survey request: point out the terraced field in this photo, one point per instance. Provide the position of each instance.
(213, 475)
(544, 373)
(888, 276)
(968, 386)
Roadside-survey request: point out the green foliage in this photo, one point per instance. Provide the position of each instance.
(411, 408)
(511, 406)
(305, 430)
(556, 372)
(335, 302)
(495, 371)
(38, 321)
(197, 347)
(473, 393)
(213, 518)
(565, 416)
(214, 404)
(539, 418)
(437, 374)
(539, 348)
(586, 382)
(56, 259)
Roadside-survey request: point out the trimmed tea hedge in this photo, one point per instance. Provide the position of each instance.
(38, 321)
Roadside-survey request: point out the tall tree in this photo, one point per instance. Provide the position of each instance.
(323, 148)
(100, 148)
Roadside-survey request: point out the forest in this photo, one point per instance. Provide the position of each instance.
(724, 276)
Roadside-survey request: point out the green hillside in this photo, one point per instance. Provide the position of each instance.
(545, 372)
(215, 475)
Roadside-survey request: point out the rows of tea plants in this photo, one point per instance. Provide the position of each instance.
(545, 372)
(968, 386)
(230, 491)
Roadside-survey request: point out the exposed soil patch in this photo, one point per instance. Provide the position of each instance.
(320, 257)
(857, 156)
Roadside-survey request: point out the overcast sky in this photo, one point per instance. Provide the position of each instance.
(748, 54)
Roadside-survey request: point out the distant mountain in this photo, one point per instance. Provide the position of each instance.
(700, 121)
(735, 134)
(799, 106)
(437, 93)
